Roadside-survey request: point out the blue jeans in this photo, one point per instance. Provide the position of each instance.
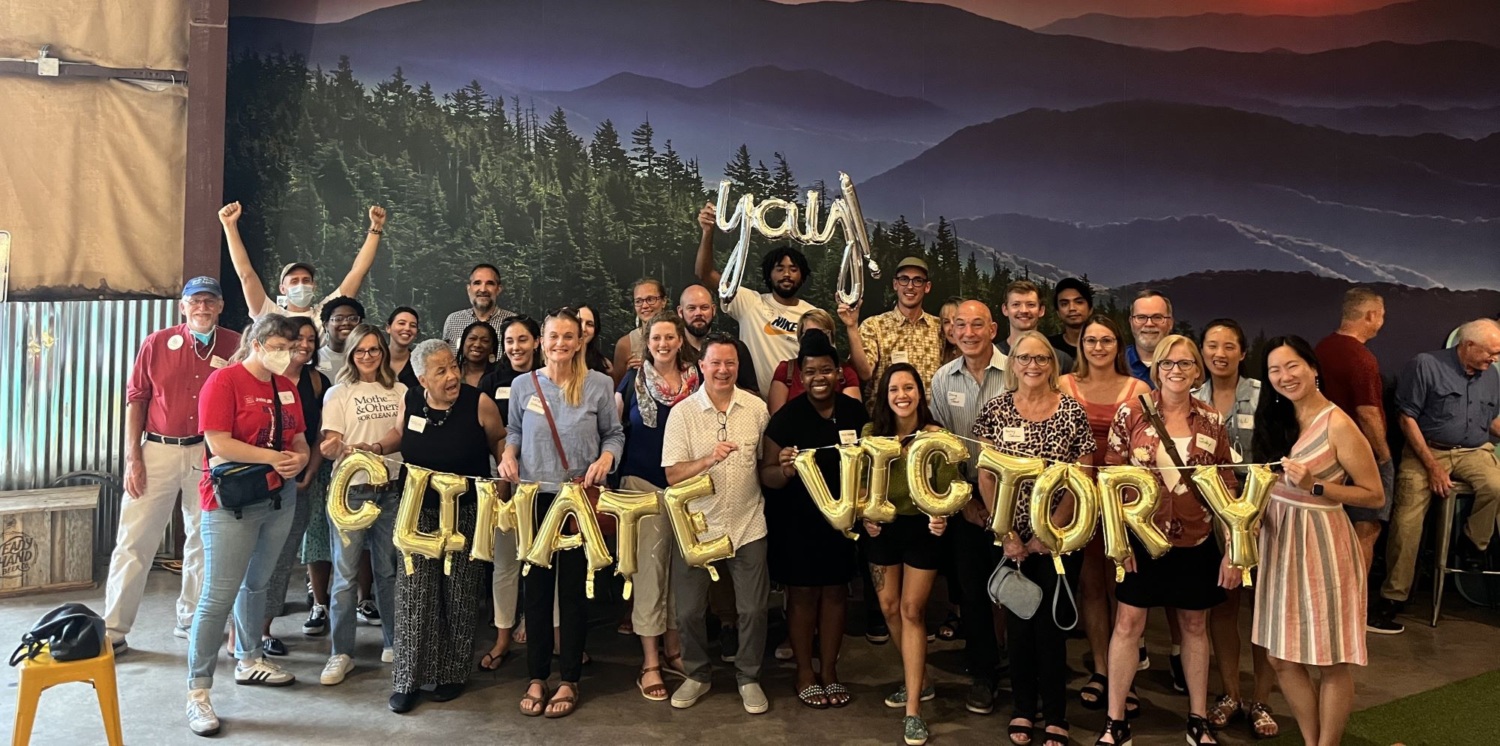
(378, 537)
(239, 555)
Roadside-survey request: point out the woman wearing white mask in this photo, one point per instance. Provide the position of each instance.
(250, 414)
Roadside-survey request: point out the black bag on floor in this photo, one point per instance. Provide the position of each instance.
(71, 632)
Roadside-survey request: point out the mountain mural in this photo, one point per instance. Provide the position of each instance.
(1416, 22)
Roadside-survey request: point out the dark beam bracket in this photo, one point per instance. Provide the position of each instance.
(84, 70)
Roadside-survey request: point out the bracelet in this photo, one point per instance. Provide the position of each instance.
(377, 231)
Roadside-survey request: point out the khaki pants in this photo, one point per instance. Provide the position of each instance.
(652, 611)
(1479, 467)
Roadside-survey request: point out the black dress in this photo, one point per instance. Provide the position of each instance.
(496, 385)
(803, 550)
(408, 376)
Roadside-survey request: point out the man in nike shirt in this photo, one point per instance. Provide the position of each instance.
(768, 321)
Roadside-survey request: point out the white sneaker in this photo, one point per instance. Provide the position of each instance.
(689, 693)
(200, 713)
(338, 667)
(388, 655)
(754, 698)
(262, 672)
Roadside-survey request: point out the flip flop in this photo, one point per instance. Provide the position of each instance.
(532, 705)
(569, 702)
(490, 662)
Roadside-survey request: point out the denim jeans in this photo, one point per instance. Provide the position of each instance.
(346, 556)
(239, 555)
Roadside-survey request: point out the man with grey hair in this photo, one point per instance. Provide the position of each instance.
(1351, 379)
(1449, 409)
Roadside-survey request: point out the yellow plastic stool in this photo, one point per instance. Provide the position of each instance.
(42, 673)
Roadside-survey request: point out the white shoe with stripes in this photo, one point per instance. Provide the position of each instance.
(262, 672)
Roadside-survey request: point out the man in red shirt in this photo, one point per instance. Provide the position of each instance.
(163, 453)
(1351, 379)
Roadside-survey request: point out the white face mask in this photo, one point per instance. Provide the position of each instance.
(276, 361)
(301, 296)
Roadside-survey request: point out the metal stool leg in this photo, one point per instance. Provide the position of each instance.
(1446, 511)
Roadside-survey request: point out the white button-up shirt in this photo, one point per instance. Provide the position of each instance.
(737, 508)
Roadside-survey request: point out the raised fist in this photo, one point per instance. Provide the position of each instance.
(707, 217)
(230, 214)
(377, 217)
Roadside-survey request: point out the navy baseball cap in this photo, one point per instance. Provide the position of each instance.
(202, 284)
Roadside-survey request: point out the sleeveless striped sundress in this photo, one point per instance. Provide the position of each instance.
(1310, 596)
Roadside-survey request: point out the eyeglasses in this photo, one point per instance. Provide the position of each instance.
(1154, 318)
(1182, 365)
(344, 319)
(1032, 359)
(908, 280)
(1100, 341)
(203, 302)
(647, 300)
(372, 352)
(723, 426)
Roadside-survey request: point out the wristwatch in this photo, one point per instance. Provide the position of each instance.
(1317, 489)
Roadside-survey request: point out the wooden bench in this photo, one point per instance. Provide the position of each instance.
(47, 541)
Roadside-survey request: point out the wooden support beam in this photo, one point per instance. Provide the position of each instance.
(208, 59)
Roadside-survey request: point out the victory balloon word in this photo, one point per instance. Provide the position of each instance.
(844, 213)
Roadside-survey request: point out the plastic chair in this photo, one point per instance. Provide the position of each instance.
(1449, 521)
(42, 673)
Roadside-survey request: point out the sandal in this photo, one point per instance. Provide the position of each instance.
(1020, 735)
(1198, 730)
(1049, 738)
(490, 661)
(1223, 712)
(1132, 705)
(813, 696)
(1118, 732)
(531, 704)
(518, 632)
(569, 703)
(1262, 724)
(838, 694)
(951, 628)
(675, 666)
(655, 692)
(1094, 694)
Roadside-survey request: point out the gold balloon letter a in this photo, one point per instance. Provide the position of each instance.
(570, 501)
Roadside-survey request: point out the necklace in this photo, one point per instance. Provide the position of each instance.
(427, 412)
(212, 337)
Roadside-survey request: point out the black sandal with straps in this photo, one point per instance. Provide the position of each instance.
(1118, 732)
(1049, 738)
(1095, 694)
(1197, 730)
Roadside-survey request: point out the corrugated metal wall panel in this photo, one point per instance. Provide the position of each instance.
(63, 369)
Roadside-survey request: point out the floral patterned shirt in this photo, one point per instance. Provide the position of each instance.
(1065, 436)
(1184, 518)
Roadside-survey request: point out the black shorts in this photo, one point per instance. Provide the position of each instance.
(907, 541)
(1184, 578)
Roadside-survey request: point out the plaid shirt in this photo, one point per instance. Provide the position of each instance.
(892, 338)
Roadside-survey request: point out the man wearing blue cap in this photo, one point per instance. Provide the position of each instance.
(163, 454)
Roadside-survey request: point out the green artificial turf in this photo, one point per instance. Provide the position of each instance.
(1458, 714)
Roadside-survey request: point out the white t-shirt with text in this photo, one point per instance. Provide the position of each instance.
(768, 329)
(364, 412)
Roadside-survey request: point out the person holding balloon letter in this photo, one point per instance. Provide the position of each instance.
(1311, 600)
(563, 430)
(717, 433)
(1034, 420)
(1169, 431)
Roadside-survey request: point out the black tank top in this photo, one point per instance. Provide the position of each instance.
(451, 441)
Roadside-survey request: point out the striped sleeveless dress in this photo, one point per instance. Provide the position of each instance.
(1310, 598)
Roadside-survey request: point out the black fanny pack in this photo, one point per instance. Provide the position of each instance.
(71, 632)
(239, 485)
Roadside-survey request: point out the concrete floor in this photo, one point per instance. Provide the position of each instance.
(152, 691)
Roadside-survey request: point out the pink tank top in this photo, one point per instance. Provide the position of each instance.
(1101, 416)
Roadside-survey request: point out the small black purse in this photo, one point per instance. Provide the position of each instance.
(71, 632)
(239, 485)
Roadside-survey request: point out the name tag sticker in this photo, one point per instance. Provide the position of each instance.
(287, 397)
(1205, 443)
(217, 362)
(956, 398)
(502, 393)
(1245, 421)
(1013, 435)
(535, 406)
(174, 342)
(848, 437)
(416, 424)
(899, 356)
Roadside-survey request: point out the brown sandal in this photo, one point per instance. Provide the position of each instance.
(655, 692)
(675, 666)
(569, 702)
(532, 705)
(1259, 715)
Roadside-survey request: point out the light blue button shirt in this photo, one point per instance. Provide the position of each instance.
(957, 398)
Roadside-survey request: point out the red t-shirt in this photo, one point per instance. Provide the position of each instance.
(233, 400)
(1351, 374)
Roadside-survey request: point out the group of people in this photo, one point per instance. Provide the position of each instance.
(537, 400)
